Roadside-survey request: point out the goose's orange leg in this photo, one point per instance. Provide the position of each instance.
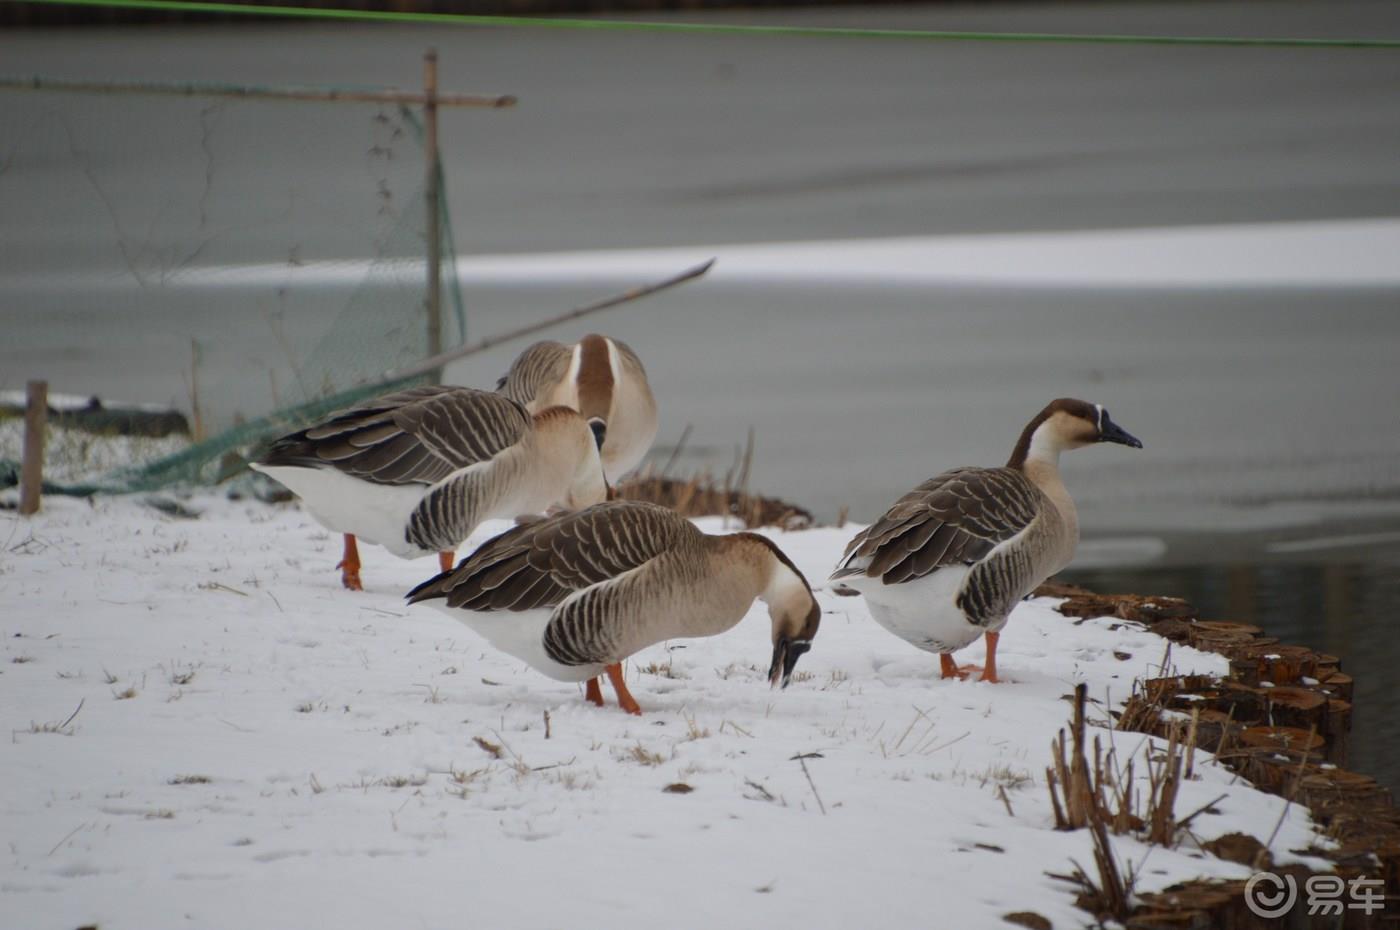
(593, 692)
(624, 697)
(350, 565)
(949, 667)
(988, 668)
(445, 560)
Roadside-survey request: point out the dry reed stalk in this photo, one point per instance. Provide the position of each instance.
(703, 495)
(1101, 796)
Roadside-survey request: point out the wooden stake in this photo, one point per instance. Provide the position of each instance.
(433, 189)
(31, 475)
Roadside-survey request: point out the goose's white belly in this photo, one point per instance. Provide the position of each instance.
(520, 634)
(922, 612)
(375, 513)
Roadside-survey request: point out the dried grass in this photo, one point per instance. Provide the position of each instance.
(1083, 795)
(643, 755)
(705, 494)
(1106, 799)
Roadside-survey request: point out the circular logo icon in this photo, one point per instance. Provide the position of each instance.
(1269, 895)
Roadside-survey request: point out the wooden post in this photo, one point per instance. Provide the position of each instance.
(31, 475)
(433, 190)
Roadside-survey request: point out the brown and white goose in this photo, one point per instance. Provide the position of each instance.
(417, 470)
(952, 557)
(601, 378)
(574, 594)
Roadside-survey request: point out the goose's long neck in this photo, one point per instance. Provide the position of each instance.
(1037, 456)
(547, 461)
(736, 568)
(754, 570)
(732, 572)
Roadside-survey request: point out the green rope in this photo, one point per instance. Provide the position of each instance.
(182, 88)
(387, 16)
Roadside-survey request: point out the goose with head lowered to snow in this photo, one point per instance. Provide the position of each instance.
(574, 594)
(952, 557)
(601, 378)
(416, 471)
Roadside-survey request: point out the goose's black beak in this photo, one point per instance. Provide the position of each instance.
(786, 652)
(1112, 432)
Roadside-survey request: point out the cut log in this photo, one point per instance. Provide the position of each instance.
(1215, 728)
(1195, 905)
(1272, 662)
(1339, 685)
(1297, 707)
(1337, 730)
(1218, 631)
(1326, 788)
(1290, 741)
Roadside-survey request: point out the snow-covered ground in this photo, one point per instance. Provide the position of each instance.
(252, 746)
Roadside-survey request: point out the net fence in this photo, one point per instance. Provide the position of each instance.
(253, 263)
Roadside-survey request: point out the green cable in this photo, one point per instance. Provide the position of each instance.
(386, 16)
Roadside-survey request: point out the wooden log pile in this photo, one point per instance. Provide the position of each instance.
(1282, 719)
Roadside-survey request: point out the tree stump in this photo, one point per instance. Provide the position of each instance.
(1283, 665)
(1296, 707)
(1339, 685)
(1295, 743)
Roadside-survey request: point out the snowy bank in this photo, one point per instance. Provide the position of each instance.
(255, 747)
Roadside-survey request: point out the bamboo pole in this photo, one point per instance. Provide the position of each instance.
(253, 91)
(31, 475)
(433, 191)
(490, 342)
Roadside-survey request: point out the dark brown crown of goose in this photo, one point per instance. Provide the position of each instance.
(1075, 408)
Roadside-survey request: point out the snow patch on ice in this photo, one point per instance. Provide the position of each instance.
(402, 773)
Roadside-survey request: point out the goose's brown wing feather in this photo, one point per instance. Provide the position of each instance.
(541, 563)
(466, 426)
(417, 436)
(955, 518)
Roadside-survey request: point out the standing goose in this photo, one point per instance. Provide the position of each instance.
(601, 378)
(575, 594)
(953, 556)
(417, 470)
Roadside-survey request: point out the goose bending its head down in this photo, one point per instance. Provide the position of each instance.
(574, 594)
(600, 377)
(952, 557)
(417, 470)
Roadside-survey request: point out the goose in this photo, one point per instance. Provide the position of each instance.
(603, 379)
(574, 594)
(951, 558)
(417, 470)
